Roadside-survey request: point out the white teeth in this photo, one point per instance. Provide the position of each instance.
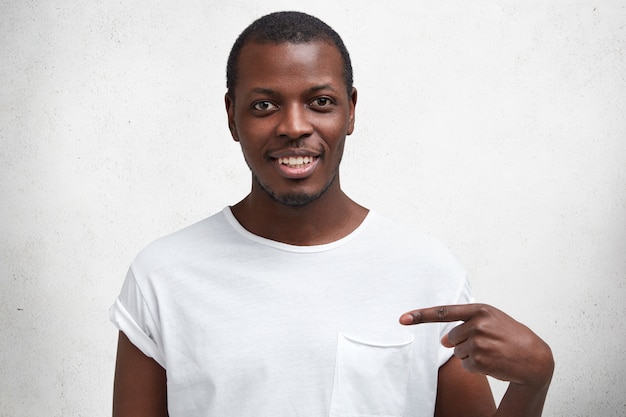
(295, 161)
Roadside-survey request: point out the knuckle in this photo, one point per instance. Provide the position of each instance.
(442, 312)
(478, 345)
(480, 328)
(479, 360)
(457, 351)
(417, 316)
(469, 365)
(483, 309)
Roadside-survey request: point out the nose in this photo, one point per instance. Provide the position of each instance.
(294, 122)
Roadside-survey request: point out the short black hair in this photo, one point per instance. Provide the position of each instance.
(286, 27)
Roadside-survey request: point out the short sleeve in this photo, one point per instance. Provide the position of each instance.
(131, 315)
(464, 297)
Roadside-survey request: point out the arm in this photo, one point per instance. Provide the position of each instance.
(140, 387)
(462, 393)
(489, 343)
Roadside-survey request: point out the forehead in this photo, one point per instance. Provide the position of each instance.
(284, 65)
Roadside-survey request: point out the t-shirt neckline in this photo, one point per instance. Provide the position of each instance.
(232, 220)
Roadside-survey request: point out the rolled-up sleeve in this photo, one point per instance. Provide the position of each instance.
(131, 314)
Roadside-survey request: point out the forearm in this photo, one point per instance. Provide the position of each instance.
(522, 401)
(527, 399)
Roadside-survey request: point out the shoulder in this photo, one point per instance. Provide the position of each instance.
(184, 244)
(404, 238)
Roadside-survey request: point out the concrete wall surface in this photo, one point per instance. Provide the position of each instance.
(498, 127)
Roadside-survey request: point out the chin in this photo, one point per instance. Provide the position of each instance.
(296, 200)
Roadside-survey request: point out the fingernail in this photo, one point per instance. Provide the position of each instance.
(408, 318)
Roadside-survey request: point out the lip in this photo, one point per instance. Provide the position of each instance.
(296, 172)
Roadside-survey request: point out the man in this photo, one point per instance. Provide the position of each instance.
(287, 303)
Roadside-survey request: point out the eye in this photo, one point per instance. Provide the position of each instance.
(322, 102)
(264, 106)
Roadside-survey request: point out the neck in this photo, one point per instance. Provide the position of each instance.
(329, 218)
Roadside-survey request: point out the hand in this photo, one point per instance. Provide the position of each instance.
(491, 342)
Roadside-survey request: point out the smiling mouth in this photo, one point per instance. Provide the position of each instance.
(296, 161)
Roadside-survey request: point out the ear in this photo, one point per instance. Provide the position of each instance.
(352, 111)
(230, 112)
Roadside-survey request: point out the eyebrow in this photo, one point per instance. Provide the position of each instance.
(322, 87)
(270, 92)
(266, 91)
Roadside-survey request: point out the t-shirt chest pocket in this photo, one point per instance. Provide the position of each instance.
(370, 379)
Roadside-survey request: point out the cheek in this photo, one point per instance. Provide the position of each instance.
(337, 126)
(253, 150)
(254, 130)
(334, 134)
(246, 149)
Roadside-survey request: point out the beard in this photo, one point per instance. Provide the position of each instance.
(294, 199)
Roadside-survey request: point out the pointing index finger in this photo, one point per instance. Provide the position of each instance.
(458, 312)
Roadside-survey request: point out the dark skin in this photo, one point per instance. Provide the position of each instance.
(489, 342)
(291, 101)
(140, 387)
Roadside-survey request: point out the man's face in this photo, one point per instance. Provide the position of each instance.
(291, 112)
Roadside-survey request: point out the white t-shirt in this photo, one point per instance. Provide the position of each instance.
(247, 326)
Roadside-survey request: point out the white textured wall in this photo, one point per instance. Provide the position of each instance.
(500, 128)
